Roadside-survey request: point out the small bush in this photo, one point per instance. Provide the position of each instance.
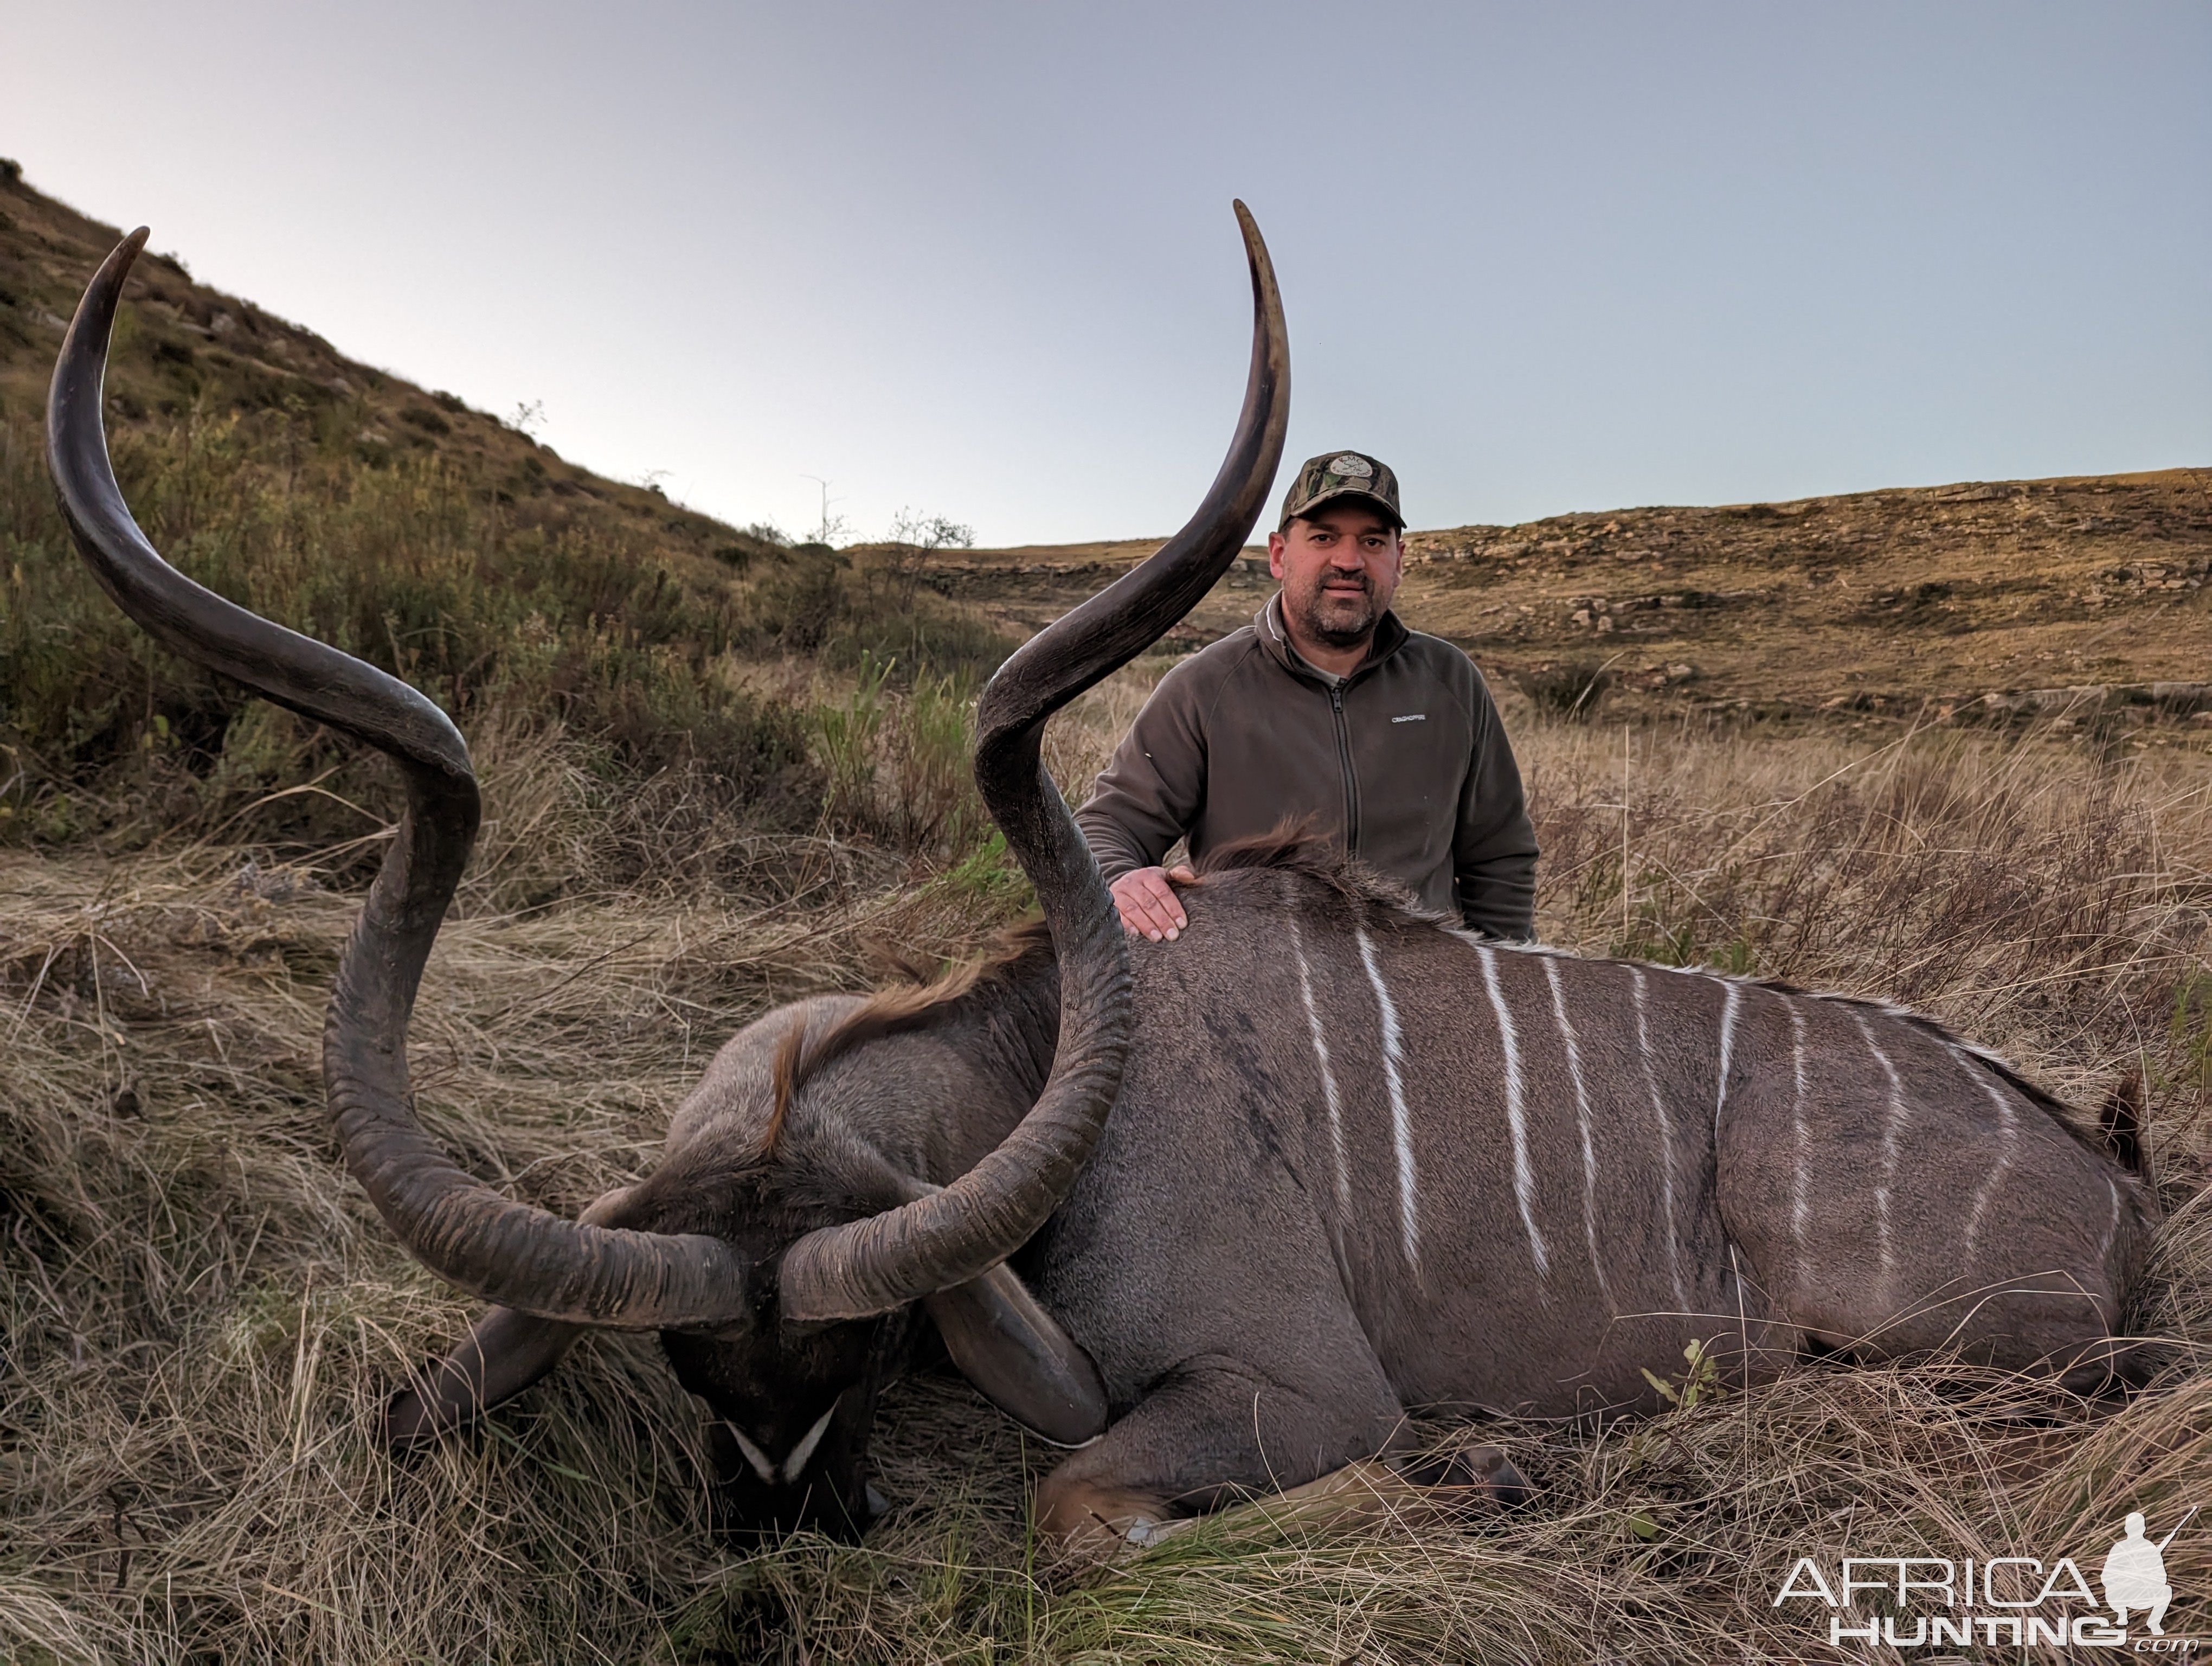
(898, 763)
(845, 606)
(1568, 688)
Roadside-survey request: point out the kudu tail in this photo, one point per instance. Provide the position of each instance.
(2120, 1121)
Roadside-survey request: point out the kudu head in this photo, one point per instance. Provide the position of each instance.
(782, 1281)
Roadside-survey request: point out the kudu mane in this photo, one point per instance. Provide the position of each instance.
(1019, 952)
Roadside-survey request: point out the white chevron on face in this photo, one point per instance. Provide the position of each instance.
(792, 1466)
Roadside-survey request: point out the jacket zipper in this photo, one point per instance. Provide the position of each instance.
(1351, 780)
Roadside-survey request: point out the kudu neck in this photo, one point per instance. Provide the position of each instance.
(1007, 1031)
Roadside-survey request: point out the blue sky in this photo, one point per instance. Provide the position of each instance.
(977, 260)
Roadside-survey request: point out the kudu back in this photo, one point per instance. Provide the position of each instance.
(1218, 1211)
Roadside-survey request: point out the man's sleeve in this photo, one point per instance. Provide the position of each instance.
(1494, 853)
(1151, 794)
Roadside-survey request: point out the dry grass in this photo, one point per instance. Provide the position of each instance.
(201, 1315)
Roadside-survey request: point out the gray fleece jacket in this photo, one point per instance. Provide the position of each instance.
(1402, 763)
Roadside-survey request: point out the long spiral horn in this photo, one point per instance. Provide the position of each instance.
(947, 1237)
(507, 1252)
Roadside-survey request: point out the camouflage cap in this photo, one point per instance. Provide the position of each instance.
(1342, 474)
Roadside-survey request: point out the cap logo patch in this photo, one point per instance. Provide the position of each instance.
(1351, 468)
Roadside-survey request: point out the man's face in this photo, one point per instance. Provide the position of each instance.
(1340, 567)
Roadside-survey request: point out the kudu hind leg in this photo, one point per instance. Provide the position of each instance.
(504, 1352)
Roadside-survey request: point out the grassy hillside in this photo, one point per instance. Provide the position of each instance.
(529, 597)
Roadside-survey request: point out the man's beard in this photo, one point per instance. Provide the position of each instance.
(1332, 625)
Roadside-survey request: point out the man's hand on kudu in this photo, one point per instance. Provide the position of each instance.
(1148, 903)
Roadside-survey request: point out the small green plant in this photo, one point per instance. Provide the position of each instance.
(1737, 957)
(1660, 944)
(987, 875)
(847, 732)
(1701, 1382)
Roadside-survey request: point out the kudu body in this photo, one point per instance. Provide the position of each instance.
(1219, 1211)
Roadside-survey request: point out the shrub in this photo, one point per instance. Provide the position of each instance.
(846, 605)
(1567, 688)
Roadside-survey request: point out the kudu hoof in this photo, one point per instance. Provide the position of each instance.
(1480, 1475)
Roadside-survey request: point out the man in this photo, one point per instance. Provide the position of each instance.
(1325, 708)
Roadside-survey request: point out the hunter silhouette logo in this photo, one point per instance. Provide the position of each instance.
(2135, 1575)
(1931, 1602)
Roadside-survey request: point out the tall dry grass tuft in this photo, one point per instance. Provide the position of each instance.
(202, 1315)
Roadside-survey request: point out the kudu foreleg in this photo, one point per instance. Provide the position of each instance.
(1365, 1494)
(504, 1352)
(1334, 1455)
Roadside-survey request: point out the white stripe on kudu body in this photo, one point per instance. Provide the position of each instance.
(2008, 1123)
(1666, 1141)
(1401, 1128)
(1802, 1140)
(1582, 1125)
(1890, 1124)
(1728, 1047)
(1524, 1178)
(2112, 1227)
(1327, 1075)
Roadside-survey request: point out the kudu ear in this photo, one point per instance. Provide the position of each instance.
(1019, 1358)
(504, 1352)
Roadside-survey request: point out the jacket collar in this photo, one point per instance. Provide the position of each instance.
(1390, 634)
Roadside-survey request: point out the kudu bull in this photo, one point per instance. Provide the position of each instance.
(1218, 1210)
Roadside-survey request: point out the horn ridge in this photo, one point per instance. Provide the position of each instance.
(509, 1253)
(949, 1237)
